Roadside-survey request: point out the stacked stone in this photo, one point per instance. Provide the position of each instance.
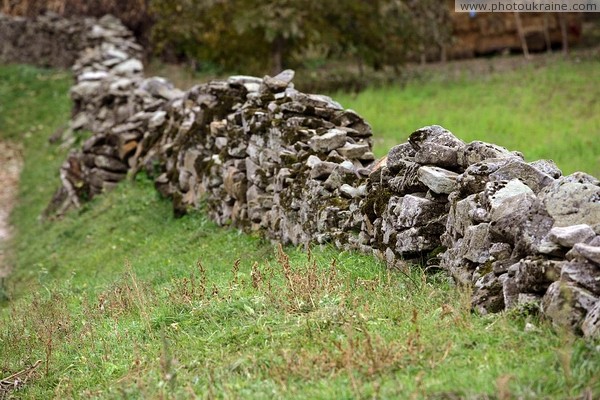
(112, 99)
(257, 152)
(107, 72)
(517, 232)
(306, 163)
(406, 207)
(48, 40)
(509, 233)
(264, 156)
(105, 59)
(190, 145)
(105, 158)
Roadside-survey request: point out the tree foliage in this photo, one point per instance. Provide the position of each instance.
(257, 36)
(260, 35)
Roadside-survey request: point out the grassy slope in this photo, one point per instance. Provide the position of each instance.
(551, 112)
(113, 302)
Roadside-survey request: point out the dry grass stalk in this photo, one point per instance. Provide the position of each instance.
(17, 381)
(304, 285)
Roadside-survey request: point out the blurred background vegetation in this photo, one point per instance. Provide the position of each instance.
(277, 34)
(264, 36)
(343, 45)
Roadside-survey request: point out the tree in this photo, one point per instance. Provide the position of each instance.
(280, 25)
(371, 31)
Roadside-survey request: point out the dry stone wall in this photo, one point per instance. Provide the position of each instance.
(299, 168)
(518, 232)
(52, 41)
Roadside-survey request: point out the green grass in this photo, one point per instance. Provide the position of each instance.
(550, 112)
(121, 300)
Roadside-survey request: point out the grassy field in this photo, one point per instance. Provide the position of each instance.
(121, 300)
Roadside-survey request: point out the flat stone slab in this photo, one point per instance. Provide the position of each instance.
(497, 193)
(592, 253)
(437, 179)
(333, 139)
(351, 150)
(568, 236)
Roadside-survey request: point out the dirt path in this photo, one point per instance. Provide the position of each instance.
(10, 166)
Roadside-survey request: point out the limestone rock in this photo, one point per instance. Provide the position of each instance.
(436, 154)
(478, 151)
(322, 169)
(592, 253)
(500, 251)
(128, 67)
(280, 81)
(477, 243)
(157, 120)
(434, 134)
(464, 213)
(406, 179)
(333, 139)
(398, 155)
(529, 175)
(437, 179)
(413, 211)
(92, 76)
(568, 236)
(311, 162)
(496, 193)
(584, 273)
(535, 275)
(251, 83)
(582, 178)
(476, 176)
(572, 200)
(297, 167)
(418, 239)
(110, 164)
(591, 323)
(488, 296)
(85, 89)
(568, 305)
(547, 167)
(351, 150)
(352, 192)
